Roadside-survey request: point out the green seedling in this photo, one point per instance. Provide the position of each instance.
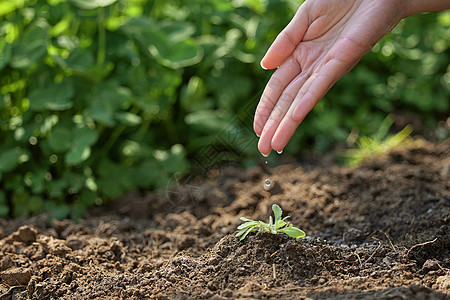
(278, 225)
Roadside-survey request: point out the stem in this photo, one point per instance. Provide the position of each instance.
(101, 37)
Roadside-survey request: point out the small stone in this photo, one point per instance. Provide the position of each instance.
(6, 262)
(26, 234)
(16, 276)
(430, 265)
(74, 243)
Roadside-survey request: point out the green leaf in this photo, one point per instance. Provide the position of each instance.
(8, 6)
(36, 203)
(168, 43)
(92, 4)
(128, 119)
(4, 209)
(5, 53)
(247, 224)
(31, 47)
(60, 139)
(55, 96)
(77, 154)
(84, 136)
(277, 212)
(143, 175)
(61, 211)
(109, 98)
(9, 159)
(293, 232)
(242, 234)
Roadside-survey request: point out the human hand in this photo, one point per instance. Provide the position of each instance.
(323, 42)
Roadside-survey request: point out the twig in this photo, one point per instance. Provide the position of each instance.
(11, 289)
(359, 258)
(373, 253)
(390, 240)
(419, 245)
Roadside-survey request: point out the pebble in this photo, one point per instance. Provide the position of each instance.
(16, 276)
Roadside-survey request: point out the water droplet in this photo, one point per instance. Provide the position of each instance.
(279, 152)
(267, 183)
(267, 162)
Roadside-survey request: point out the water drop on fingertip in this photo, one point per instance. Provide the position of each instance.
(279, 152)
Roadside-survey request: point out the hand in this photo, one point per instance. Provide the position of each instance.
(323, 42)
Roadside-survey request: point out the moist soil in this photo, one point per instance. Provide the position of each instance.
(377, 231)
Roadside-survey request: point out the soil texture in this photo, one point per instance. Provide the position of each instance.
(377, 231)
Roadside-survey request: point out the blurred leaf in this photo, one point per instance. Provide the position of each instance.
(4, 209)
(5, 52)
(9, 159)
(31, 47)
(92, 4)
(128, 119)
(36, 204)
(60, 139)
(109, 98)
(84, 136)
(55, 96)
(169, 43)
(8, 6)
(110, 179)
(77, 154)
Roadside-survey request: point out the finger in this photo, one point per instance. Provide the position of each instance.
(318, 85)
(288, 39)
(276, 85)
(279, 112)
(311, 92)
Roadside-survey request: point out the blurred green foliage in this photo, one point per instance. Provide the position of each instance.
(102, 97)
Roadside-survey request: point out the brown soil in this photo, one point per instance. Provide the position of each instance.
(378, 231)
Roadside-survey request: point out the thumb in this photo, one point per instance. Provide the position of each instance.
(286, 42)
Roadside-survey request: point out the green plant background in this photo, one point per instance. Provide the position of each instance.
(102, 97)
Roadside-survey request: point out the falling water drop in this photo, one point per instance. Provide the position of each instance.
(266, 162)
(267, 184)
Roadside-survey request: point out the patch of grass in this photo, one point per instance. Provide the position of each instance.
(381, 143)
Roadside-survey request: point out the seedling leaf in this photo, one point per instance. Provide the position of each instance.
(277, 212)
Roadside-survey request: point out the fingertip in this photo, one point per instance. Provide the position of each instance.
(262, 65)
(265, 151)
(278, 146)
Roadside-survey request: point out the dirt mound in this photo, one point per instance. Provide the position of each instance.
(379, 231)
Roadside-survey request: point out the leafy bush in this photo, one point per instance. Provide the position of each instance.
(102, 97)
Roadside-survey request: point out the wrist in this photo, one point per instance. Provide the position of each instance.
(412, 7)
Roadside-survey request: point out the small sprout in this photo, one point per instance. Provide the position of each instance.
(278, 225)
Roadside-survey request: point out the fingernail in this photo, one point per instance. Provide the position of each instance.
(258, 135)
(265, 155)
(262, 65)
